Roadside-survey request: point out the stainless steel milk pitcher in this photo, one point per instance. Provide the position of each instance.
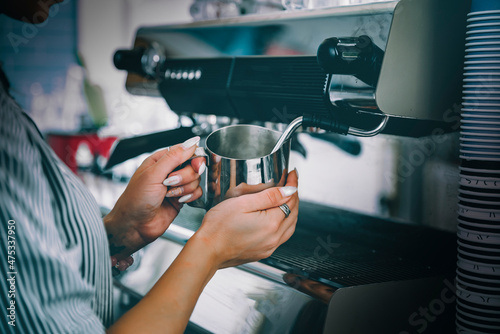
(239, 161)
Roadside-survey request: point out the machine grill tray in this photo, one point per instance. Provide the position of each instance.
(342, 248)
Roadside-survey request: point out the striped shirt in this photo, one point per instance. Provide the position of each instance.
(54, 260)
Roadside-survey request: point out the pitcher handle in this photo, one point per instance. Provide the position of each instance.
(202, 201)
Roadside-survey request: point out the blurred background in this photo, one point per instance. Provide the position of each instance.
(62, 74)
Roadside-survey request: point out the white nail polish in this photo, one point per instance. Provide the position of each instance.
(185, 198)
(288, 191)
(296, 172)
(199, 152)
(202, 168)
(190, 142)
(172, 181)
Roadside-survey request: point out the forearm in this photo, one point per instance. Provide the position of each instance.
(169, 304)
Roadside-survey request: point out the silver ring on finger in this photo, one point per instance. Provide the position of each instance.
(286, 210)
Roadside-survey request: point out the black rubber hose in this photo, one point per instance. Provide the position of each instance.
(325, 123)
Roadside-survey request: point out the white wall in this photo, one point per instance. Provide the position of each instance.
(104, 27)
(332, 177)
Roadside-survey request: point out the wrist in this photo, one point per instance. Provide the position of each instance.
(204, 247)
(123, 240)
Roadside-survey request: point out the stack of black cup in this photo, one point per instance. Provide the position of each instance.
(478, 265)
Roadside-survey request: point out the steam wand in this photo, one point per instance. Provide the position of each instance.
(326, 123)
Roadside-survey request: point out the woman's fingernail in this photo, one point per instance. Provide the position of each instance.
(190, 142)
(202, 168)
(185, 198)
(175, 192)
(296, 172)
(288, 191)
(172, 181)
(200, 152)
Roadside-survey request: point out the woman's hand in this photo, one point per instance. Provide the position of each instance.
(250, 227)
(153, 198)
(237, 230)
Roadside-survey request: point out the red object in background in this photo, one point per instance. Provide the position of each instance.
(66, 146)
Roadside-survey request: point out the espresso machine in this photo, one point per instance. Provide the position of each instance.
(391, 68)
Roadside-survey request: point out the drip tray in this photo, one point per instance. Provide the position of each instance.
(343, 248)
